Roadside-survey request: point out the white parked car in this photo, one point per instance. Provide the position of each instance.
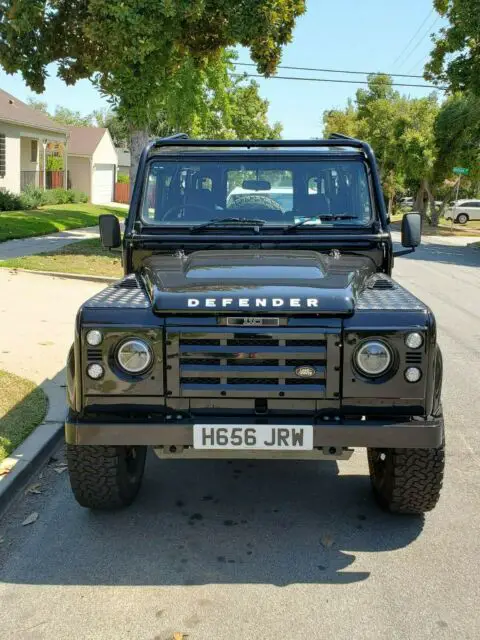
(463, 210)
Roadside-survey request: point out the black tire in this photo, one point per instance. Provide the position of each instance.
(104, 477)
(407, 480)
(462, 218)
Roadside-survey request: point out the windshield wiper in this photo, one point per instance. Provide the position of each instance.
(338, 216)
(249, 222)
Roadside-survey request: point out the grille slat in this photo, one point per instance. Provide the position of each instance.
(250, 363)
(413, 357)
(94, 355)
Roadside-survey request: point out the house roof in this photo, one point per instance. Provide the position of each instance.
(16, 111)
(84, 140)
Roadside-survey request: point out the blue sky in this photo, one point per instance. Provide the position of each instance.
(366, 35)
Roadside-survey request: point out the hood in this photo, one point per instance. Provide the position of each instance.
(256, 281)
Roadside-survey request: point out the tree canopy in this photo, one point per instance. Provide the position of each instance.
(455, 59)
(400, 130)
(138, 52)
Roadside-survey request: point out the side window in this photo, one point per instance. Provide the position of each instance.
(3, 159)
(313, 185)
(33, 151)
(364, 194)
(149, 197)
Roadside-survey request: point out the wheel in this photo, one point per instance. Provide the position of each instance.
(462, 218)
(104, 477)
(407, 480)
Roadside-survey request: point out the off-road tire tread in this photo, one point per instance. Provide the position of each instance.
(417, 479)
(95, 477)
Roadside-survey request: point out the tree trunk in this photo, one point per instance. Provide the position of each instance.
(433, 207)
(420, 200)
(391, 201)
(138, 141)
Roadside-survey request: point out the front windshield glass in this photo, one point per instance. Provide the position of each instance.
(314, 193)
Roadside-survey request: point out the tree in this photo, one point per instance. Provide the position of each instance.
(400, 130)
(109, 119)
(457, 132)
(63, 115)
(38, 105)
(338, 121)
(71, 118)
(455, 59)
(141, 56)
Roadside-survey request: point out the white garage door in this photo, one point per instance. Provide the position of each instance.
(102, 191)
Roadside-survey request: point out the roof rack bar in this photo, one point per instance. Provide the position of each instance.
(181, 141)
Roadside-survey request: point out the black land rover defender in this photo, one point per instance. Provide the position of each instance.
(257, 318)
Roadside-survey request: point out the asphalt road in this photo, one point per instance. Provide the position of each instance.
(267, 550)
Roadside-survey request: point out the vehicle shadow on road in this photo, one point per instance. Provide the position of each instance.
(445, 254)
(201, 522)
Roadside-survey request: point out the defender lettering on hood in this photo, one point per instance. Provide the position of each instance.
(254, 303)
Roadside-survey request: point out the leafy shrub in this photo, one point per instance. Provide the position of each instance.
(122, 178)
(50, 197)
(10, 201)
(78, 196)
(32, 197)
(54, 163)
(63, 196)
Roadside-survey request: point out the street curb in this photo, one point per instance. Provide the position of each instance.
(27, 458)
(65, 276)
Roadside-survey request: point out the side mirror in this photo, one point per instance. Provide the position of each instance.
(411, 230)
(110, 231)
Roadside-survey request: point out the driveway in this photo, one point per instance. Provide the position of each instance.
(267, 550)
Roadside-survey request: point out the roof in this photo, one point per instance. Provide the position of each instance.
(84, 140)
(123, 156)
(16, 111)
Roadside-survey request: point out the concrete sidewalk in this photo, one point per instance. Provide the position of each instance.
(42, 244)
(37, 316)
(448, 241)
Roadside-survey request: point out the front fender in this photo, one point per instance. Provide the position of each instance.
(71, 379)
(437, 382)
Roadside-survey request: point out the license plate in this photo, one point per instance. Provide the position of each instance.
(260, 436)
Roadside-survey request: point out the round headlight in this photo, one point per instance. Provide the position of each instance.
(413, 374)
(134, 356)
(94, 337)
(373, 358)
(95, 371)
(414, 340)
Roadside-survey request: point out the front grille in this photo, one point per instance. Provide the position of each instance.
(251, 363)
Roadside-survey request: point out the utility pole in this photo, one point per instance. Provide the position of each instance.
(44, 164)
(454, 215)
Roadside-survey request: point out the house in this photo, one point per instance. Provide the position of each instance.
(92, 162)
(124, 161)
(25, 134)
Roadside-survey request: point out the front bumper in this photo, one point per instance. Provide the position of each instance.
(416, 434)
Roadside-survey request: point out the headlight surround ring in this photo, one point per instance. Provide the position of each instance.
(373, 358)
(134, 356)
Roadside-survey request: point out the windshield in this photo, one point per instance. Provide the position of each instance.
(321, 193)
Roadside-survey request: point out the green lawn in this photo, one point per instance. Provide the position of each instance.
(23, 406)
(86, 256)
(49, 219)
